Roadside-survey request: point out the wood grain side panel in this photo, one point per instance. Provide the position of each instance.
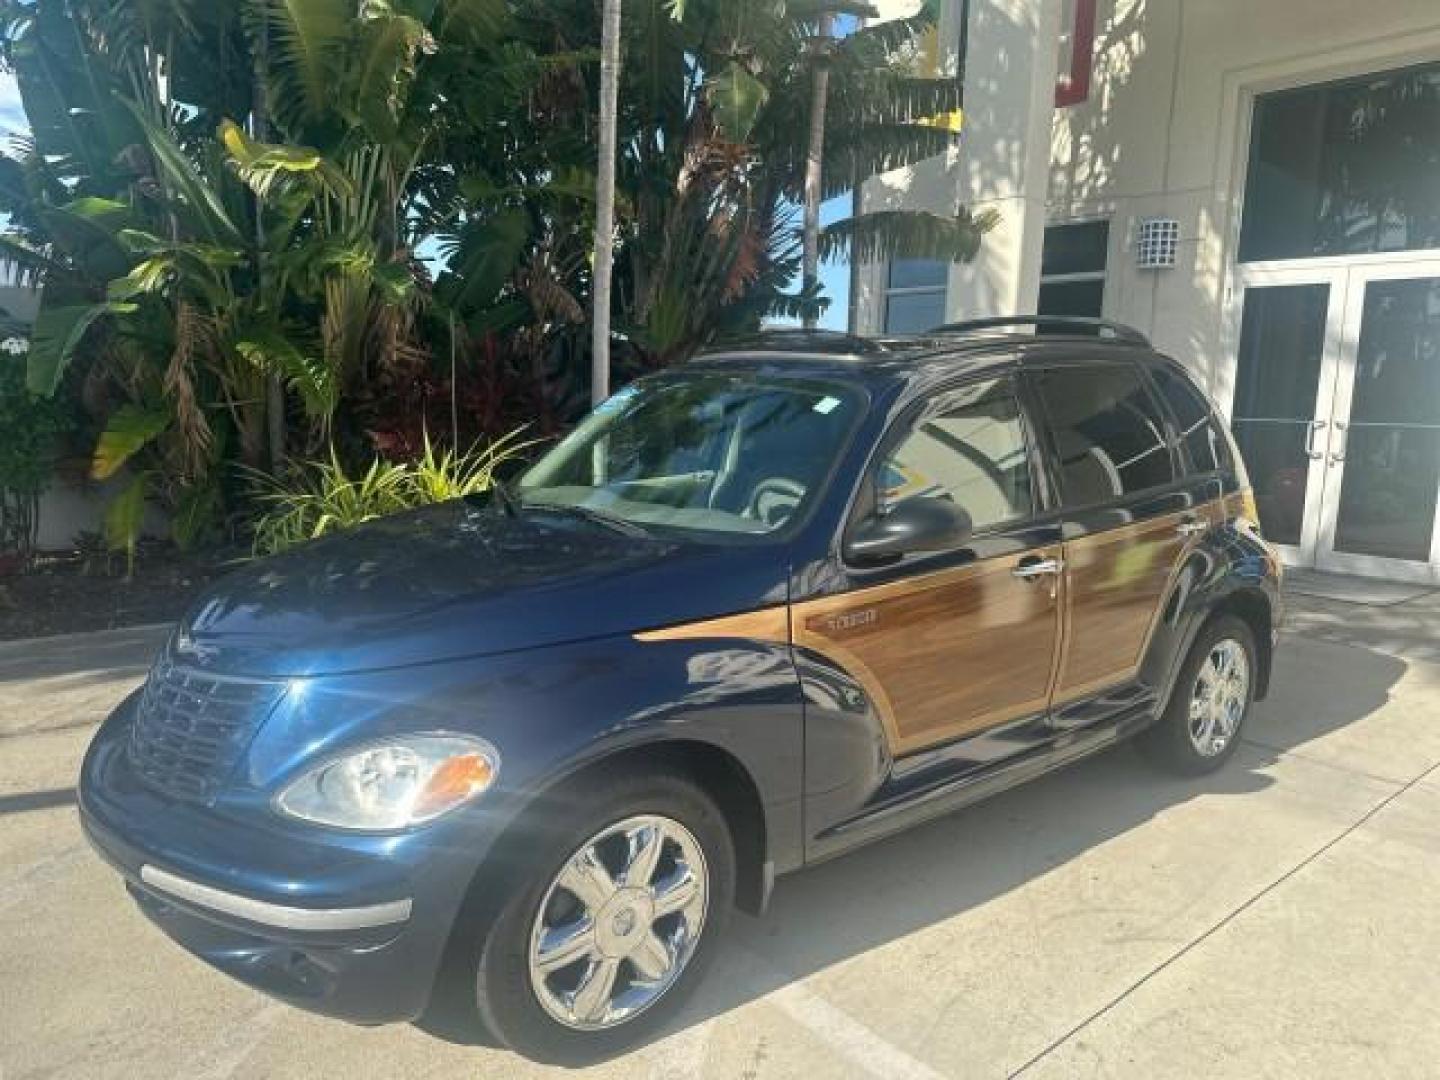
(767, 624)
(943, 655)
(1117, 583)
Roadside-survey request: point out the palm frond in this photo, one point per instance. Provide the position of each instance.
(307, 40)
(907, 234)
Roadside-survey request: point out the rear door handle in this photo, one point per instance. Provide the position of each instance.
(1032, 568)
(1316, 426)
(1192, 528)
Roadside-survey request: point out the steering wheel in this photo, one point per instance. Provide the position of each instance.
(774, 499)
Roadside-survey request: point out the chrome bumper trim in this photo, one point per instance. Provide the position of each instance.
(278, 915)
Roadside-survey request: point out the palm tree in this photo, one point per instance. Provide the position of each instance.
(814, 162)
(605, 203)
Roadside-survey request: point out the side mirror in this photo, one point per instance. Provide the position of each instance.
(918, 525)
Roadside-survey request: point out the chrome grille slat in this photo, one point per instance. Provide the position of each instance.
(192, 727)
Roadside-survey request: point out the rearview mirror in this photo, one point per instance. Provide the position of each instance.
(919, 525)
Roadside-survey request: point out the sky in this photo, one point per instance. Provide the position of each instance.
(12, 114)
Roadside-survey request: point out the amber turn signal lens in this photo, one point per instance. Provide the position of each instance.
(456, 780)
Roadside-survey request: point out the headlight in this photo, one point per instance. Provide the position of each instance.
(393, 784)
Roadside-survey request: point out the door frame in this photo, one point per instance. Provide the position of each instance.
(1348, 278)
(1360, 274)
(1272, 275)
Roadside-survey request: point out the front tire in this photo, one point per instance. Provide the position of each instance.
(1210, 702)
(626, 891)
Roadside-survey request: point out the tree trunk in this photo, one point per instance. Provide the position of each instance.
(814, 155)
(260, 132)
(605, 203)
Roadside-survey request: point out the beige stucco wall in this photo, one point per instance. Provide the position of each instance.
(1162, 134)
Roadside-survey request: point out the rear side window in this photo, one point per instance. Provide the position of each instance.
(970, 450)
(1106, 430)
(1195, 423)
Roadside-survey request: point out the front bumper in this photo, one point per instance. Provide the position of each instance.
(345, 925)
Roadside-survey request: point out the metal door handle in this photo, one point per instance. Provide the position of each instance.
(1343, 431)
(1027, 571)
(1192, 528)
(1316, 426)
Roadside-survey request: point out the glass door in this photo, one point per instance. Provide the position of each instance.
(1337, 413)
(1382, 450)
(1289, 356)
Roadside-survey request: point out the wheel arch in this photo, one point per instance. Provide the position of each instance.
(1252, 607)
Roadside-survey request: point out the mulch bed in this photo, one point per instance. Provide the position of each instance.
(66, 593)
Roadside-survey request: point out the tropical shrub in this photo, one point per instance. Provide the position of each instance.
(31, 427)
(323, 497)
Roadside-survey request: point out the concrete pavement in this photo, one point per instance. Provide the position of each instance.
(1279, 919)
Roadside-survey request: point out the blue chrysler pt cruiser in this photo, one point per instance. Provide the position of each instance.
(523, 755)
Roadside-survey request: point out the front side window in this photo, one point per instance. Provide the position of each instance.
(969, 450)
(1106, 431)
(723, 454)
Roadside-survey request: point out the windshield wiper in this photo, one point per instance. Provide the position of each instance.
(589, 513)
(501, 496)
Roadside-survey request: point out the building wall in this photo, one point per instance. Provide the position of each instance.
(1165, 133)
(1162, 133)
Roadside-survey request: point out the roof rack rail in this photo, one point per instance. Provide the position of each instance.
(802, 340)
(1051, 323)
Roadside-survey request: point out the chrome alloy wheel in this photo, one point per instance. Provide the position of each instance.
(1217, 702)
(619, 923)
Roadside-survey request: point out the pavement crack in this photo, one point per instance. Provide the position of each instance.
(1184, 950)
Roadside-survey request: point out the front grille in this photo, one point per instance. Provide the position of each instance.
(191, 728)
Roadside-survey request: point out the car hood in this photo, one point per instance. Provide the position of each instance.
(457, 580)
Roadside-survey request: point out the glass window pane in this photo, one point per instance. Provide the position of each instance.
(1392, 446)
(1108, 435)
(971, 452)
(1275, 458)
(1345, 168)
(911, 313)
(1072, 299)
(1196, 424)
(918, 273)
(1081, 248)
(1282, 342)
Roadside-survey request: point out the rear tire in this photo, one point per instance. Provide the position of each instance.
(1210, 702)
(604, 935)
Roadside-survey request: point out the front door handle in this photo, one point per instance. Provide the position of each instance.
(1341, 429)
(1316, 426)
(1192, 528)
(1033, 568)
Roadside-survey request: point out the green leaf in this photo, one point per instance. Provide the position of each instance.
(124, 518)
(131, 428)
(489, 252)
(57, 333)
(268, 166)
(207, 211)
(308, 39)
(270, 350)
(736, 98)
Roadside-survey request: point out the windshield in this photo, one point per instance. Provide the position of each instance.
(715, 453)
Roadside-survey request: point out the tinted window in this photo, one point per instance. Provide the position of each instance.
(1072, 299)
(969, 450)
(1345, 168)
(1193, 419)
(1080, 248)
(1106, 432)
